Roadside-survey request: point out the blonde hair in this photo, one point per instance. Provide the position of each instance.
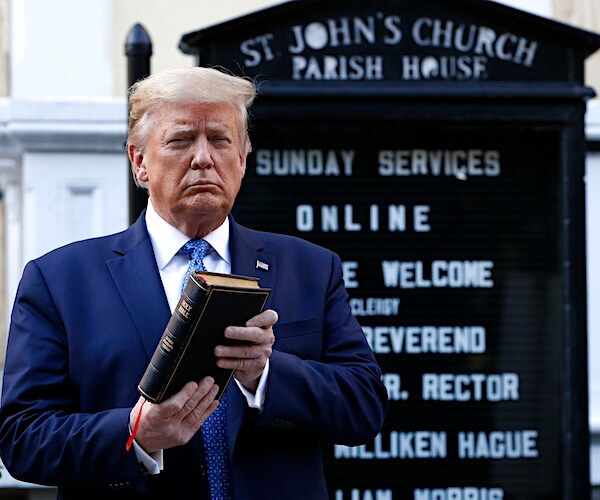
(187, 85)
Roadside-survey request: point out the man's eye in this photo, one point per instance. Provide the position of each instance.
(177, 140)
(220, 138)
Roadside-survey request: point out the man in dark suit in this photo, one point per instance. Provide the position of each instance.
(88, 316)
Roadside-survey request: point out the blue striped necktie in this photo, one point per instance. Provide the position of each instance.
(213, 430)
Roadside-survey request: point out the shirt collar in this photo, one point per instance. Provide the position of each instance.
(167, 240)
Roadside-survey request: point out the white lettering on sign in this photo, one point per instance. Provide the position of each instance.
(346, 31)
(443, 67)
(458, 493)
(498, 444)
(313, 48)
(330, 67)
(349, 274)
(481, 40)
(470, 387)
(374, 306)
(403, 445)
(356, 494)
(393, 384)
(426, 339)
(257, 49)
(461, 164)
(440, 274)
(304, 162)
(333, 218)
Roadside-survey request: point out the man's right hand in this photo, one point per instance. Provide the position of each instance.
(174, 421)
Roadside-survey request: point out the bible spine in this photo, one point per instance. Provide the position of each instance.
(165, 358)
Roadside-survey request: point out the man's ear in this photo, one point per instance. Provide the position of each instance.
(243, 164)
(136, 157)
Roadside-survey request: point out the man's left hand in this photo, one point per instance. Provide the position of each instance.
(249, 358)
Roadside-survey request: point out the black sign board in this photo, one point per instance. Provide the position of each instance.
(437, 147)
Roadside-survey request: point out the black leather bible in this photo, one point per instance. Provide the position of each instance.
(209, 303)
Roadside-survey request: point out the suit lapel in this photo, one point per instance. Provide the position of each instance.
(136, 276)
(248, 258)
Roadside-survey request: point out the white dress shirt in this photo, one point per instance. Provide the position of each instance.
(172, 266)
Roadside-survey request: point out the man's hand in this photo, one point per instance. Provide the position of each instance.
(174, 421)
(249, 358)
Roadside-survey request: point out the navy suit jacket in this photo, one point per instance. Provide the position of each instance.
(86, 320)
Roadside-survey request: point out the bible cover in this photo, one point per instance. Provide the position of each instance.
(209, 303)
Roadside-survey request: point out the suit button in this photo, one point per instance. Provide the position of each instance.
(121, 486)
(279, 423)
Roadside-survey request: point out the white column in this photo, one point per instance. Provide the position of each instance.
(74, 172)
(64, 177)
(592, 185)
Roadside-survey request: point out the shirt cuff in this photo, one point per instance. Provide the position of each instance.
(150, 464)
(256, 400)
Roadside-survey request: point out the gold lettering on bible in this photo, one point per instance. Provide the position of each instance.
(185, 309)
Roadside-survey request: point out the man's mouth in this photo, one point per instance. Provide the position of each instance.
(202, 186)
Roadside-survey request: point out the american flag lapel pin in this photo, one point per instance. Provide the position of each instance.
(262, 265)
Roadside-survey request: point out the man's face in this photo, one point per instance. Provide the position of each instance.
(192, 164)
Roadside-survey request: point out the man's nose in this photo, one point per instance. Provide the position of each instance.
(202, 157)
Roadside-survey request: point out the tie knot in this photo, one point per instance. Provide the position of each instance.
(196, 250)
